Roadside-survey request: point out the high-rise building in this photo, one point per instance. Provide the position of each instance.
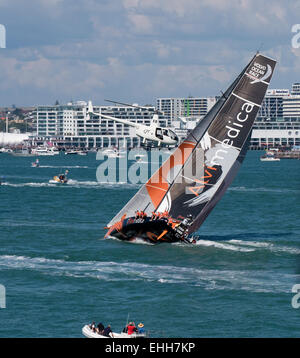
(278, 120)
(272, 105)
(173, 108)
(296, 89)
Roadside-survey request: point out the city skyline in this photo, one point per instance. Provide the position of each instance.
(138, 50)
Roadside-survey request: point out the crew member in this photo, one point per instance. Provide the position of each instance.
(108, 332)
(141, 329)
(131, 328)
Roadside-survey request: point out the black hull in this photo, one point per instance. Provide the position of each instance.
(154, 231)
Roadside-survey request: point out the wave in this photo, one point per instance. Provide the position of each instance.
(267, 245)
(65, 166)
(263, 189)
(251, 280)
(224, 246)
(75, 184)
(231, 245)
(20, 185)
(251, 243)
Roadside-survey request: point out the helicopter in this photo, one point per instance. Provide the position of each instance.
(152, 133)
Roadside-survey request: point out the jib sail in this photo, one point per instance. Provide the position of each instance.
(194, 178)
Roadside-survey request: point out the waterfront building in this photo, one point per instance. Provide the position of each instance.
(272, 105)
(277, 122)
(173, 108)
(295, 89)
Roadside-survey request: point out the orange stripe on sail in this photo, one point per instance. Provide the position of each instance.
(157, 185)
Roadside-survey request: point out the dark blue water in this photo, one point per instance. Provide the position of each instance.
(59, 272)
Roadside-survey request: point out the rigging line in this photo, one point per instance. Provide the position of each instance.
(146, 206)
(193, 136)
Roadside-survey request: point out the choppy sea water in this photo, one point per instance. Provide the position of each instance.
(60, 273)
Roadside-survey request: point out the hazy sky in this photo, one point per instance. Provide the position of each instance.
(138, 50)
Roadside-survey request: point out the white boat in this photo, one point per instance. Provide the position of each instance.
(6, 150)
(269, 157)
(89, 333)
(113, 153)
(82, 152)
(45, 151)
(71, 152)
(74, 152)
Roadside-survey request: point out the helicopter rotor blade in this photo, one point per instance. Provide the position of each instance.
(124, 104)
(132, 105)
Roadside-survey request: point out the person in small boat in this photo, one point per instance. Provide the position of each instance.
(141, 329)
(108, 332)
(100, 328)
(131, 328)
(93, 326)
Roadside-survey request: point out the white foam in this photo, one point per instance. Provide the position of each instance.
(223, 246)
(267, 245)
(217, 279)
(263, 189)
(64, 167)
(37, 185)
(75, 184)
(251, 243)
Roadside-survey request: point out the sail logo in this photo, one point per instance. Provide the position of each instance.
(202, 182)
(259, 72)
(233, 130)
(2, 36)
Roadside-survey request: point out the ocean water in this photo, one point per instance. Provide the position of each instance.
(60, 273)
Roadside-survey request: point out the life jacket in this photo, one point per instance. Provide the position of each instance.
(131, 329)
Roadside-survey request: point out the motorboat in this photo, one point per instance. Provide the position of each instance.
(269, 157)
(6, 150)
(35, 164)
(88, 332)
(45, 151)
(76, 152)
(112, 153)
(60, 178)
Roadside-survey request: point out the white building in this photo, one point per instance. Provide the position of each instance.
(273, 134)
(277, 122)
(173, 108)
(296, 89)
(272, 105)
